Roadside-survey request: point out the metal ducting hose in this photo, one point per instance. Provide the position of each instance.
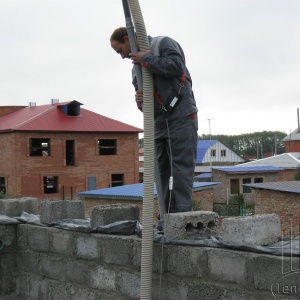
(148, 193)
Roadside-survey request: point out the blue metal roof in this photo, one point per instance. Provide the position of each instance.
(282, 186)
(236, 169)
(133, 191)
(202, 147)
(204, 175)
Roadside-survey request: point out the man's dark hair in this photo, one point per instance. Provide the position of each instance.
(118, 35)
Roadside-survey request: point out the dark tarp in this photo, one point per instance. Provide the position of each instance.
(284, 247)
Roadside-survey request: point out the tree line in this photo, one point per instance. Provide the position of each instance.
(250, 144)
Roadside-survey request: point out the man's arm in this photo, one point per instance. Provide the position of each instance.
(170, 62)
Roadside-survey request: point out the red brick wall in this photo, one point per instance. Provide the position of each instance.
(25, 173)
(204, 199)
(292, 146)
(285, 205)
(287, 175)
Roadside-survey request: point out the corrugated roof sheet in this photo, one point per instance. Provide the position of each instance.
(289, 160)
(52, 118)
(293, 136)
(235, 169)
(282, 186)
(204, 175)
(202, 147)
(133, 191)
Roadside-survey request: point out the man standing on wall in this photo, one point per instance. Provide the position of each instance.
(175, 114)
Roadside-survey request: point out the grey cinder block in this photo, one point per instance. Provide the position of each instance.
(52, 211)
(107, 214)
(190, 224)
(253, 230)
(14, 207)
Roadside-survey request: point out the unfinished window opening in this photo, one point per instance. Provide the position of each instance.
(70, 152)
(50, 184)
(107, 147)
(213, 152)
(246, 189)
(258, 180)
(39, 147)
(234, 186)
(2, 185)
(117, 179)
(223, 152)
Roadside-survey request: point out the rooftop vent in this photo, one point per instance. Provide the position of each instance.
(54, 101)
(32, 104)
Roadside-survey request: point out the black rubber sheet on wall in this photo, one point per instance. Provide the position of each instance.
(285, 247)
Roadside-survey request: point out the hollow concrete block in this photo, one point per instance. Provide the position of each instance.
(191, 224)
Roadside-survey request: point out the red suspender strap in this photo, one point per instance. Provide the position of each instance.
(182, 80)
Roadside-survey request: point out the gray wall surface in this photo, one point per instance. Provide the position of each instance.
(41, 263)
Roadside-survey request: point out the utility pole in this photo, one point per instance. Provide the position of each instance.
(210, 164)
(275, 152)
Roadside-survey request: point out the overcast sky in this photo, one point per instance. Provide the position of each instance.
(243, 56)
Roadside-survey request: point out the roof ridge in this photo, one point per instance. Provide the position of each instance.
(292, 156)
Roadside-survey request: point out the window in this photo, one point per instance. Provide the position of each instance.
(39, 147)
(258, 180)
(70, 152)
(246, 189)
(2, 185)
(117, 179)
(107, 147)
(223, 152)
(213, 152)
(50, 184)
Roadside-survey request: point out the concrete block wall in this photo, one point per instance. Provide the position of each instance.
(9, 269)
(60, 264)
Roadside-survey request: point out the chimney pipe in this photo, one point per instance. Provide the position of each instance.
(54, 101)
(32, 104)
(298, 119)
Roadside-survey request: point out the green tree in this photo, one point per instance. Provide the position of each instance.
(297, 175)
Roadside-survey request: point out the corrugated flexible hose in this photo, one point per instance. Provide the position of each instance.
(148, 194)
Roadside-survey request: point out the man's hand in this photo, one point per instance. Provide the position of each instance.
(136, 57)
(139, 98)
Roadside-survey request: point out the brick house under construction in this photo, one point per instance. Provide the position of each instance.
(54, 151)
